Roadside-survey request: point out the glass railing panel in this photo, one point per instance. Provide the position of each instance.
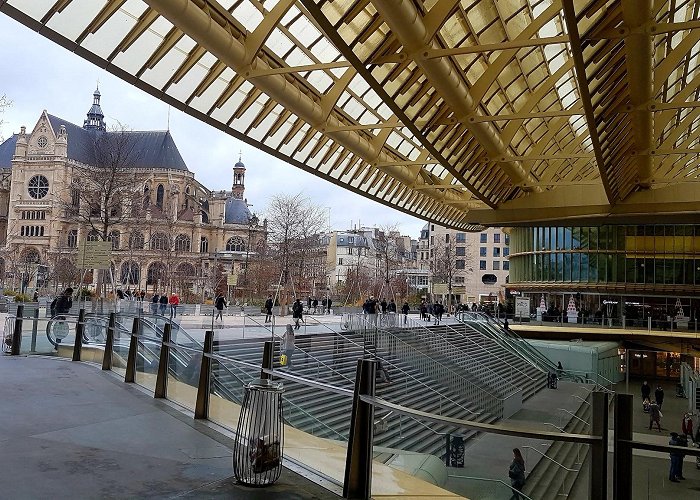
(147, 360)
(183, 375)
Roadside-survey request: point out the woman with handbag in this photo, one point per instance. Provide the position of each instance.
(516, 473)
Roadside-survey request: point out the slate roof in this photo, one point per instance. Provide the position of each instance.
(236, 212)
(155, 149)
(7, 151)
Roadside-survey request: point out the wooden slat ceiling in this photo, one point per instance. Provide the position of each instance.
(454, 111)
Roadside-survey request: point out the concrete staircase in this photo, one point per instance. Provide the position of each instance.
(332, 358)
(548, 480)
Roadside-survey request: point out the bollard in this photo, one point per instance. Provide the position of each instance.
(268, 351)
(35, 325)
(201, 409)
(358, 462)
(79, 331)
(161, 390)
(130, 375)
(16, 346)
(109, 343)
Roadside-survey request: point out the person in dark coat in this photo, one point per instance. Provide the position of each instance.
(675, 473)
(297, 313)
(219, 304)
(391, 307)
(384, 306)
(404, 310)
(516, 473)
(154, 303)
(328, 305)
(64, 302)
(646, 391)
(268, 309)
(659, 396)
(163, 302)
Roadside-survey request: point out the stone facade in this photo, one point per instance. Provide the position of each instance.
(183, 233)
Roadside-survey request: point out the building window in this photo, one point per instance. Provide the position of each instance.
(459, 280)
(482, 251)
(182, 243)
(506, 251)
(160, 241)
(93, 235)
(351, 239)
(160, 194)
(432, 240)
(506, 265)
(114, 238)
(136, 240)
(460, 251)
(340, 262)
(38, 187)
(496, 265)
(506, 239)
(447, 238)
(497, 238)
(496, 251)
(483, 238)
(72, 238)
(204, 245)
(461, 237)
(235, 244)
(459, 264)
(432, 227)
(130, 273)
(482, 265)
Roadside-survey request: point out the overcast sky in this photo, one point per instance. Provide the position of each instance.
(38, 75)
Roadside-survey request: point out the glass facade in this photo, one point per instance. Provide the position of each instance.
(644, 258)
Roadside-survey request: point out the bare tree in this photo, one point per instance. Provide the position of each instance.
(106, 194)
(293, 221)
(387, 252)
(4, 104)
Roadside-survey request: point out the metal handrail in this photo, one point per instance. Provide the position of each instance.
(451, 327)
(520, 493)
(433, 333)
(555, 426)
(550, 458)
(409, 375)
(573, 415)
(581, 399)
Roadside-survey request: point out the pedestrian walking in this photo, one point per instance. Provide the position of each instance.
(404, 310)
(675, 473)
(314, 304)
(174, 301)
(659, 396)
(655, 416)
(297, 313)
(155, 300)
(287, 346)
(163, 302)
(384, 305)
(219, 304)
(516, 473)
(268, 309)
(687, 426)
(329, 305)
(391, 307)
(646, 391)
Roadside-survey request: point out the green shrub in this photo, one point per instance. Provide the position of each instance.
(22, 297)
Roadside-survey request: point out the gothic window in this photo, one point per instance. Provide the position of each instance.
(30, 256)
(182, 243)
(160, 241)
(130, 273)
(73, 238)
(160, 194)
(205, 217)
(38, 187)
(204, 245)
(93, 235)
(75, 197)
(235, 244)
(186, 271)
(114, 238)
(156, 273)
(146, 196)
(136, 240)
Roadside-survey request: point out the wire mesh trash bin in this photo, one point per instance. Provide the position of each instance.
(257, 450)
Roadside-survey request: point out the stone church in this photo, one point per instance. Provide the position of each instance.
(176, 240)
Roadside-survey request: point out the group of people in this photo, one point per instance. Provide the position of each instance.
(312, 305)
(653, 408)
(160, 303)
(435, 310)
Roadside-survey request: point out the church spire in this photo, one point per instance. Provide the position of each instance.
(238, 179)
(95, 118)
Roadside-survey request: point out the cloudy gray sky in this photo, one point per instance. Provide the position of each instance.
(38, 75)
